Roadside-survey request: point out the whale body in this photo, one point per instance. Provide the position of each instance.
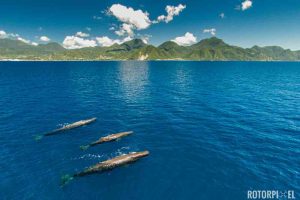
(109, 138)
(107, 165)
(68, 127)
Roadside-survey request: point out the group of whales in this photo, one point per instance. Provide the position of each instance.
(104, 165)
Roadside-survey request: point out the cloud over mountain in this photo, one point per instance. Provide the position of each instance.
(139, 20)
(107, 42)
(186, 40)
(81, 34)
(74, 42)
(44, 39)
(132, 19)
(212, 31)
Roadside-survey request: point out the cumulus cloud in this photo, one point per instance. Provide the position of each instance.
(44, 39)
(3, 34)
(186, 40)
(107, 42)
(145, 38)
(246, 4)
(171, 12)
(137, 18)
(74, 42)
(212, 31)
(125, 29)
(222, 15)
(81, 34)
(132, 19)
(27, 41)
(23, 40)
(15, 36)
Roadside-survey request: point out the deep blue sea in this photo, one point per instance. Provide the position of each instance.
(214, 129)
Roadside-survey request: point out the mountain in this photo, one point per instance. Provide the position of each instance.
(207, 49)
(15, 49)
(51, 47)
(211, 43)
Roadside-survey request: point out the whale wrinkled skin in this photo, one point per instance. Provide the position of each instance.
(108, 138)
(107, 165)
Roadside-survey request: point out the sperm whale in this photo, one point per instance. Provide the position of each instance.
(68, 127)
(107, 165)
(108, 138)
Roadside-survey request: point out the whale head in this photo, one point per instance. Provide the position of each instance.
(138, 155)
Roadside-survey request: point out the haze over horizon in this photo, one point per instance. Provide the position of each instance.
(73, 24)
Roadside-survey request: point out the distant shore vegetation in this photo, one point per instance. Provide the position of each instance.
(212, 49)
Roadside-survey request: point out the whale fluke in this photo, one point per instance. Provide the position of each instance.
(66, 127)
(65, 179)
(38, 137)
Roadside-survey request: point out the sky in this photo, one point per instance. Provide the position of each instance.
(78, 23)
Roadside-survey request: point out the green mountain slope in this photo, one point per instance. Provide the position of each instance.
(207, 49)
(15, 49)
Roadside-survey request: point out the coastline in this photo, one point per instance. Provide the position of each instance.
(158, 60)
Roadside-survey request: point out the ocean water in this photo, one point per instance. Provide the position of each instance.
(214, 129)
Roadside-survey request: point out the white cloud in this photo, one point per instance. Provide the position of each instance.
(171, 12)
(44, 39)
(212, 31)
(139, 19)
(14, 36)
(23, 40)
(127, 39)
(107, 42)
(97, 17)
(186, 40)
(3, 34)
(132, 19)
(88, 28)
(246, 4)
(74, 42)
(27, 41)
(222, 15)
(81, 34)
(145, 39)
(125, 29)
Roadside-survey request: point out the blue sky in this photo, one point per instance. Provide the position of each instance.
(262, 22)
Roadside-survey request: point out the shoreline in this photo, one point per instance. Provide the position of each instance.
(175, 60)
(158, 60)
